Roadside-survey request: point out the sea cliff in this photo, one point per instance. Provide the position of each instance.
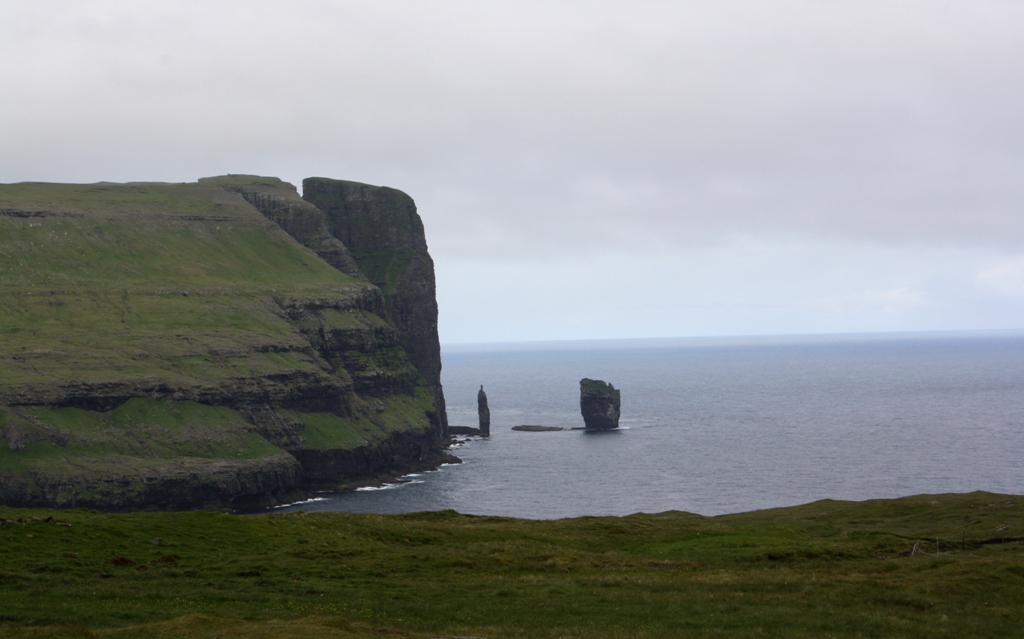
(225, 343)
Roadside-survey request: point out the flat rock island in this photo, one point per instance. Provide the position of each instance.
(532, 428)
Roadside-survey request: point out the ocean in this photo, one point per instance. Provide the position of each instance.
(723, 425)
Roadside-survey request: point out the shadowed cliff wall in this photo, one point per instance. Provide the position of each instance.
(384, 235)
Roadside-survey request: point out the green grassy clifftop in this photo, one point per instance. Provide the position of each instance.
(234, 333)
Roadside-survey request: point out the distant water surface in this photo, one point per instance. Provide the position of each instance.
(727, 425)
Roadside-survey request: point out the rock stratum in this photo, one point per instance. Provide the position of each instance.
(218, 344)
(599, 404)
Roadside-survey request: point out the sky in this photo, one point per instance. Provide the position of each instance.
(584, 170)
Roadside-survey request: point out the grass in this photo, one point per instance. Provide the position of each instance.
(385, 268)
(265, 184)
(393, 413)
(109, 336)
(118, 282)
(827, 569)
(140, 428)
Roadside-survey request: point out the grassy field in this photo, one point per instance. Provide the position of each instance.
(827, 569)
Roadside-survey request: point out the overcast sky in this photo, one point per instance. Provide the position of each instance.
(584, 169)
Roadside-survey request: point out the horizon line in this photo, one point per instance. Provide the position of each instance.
(735, 337)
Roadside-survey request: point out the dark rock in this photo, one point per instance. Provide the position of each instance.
(188, 483)
(384, 235)
(599, 403)
(484, 411)
(463, 430)
(536, 429)
(326, 469)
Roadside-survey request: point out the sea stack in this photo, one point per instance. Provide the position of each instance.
(485, 413)
(599, 403)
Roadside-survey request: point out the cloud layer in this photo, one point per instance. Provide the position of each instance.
(540, 130)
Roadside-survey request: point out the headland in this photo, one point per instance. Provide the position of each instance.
(219, 344)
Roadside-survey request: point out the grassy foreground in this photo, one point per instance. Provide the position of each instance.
(827, 569)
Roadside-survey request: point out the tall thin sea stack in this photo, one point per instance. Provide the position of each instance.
(599, 403)
(484, 412)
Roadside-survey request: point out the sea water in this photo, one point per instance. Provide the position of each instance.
(724, 425)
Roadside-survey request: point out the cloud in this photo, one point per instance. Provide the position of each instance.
(1003, 279)
(528, 126)
(888, 301)
(746, 287)
(729, 167)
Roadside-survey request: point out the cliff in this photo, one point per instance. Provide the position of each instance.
(395, 260)
(211, 344)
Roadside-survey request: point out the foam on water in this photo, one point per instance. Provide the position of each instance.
(295, 504)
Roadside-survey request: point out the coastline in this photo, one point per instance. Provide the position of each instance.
(386, 478)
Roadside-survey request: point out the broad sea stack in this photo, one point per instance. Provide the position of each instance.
(599, 403)
(485, 413)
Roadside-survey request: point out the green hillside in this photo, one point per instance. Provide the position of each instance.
(175, 282)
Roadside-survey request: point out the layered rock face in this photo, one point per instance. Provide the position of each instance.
(203, 345)
(599, 403)
(384, 234)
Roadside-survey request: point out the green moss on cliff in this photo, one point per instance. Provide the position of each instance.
(147, 237)
(139, 429)
(103, 336)
(117, 200)
(174, 282)
(392, 414)
(597, 389)
(264, 183)
(385, 268)
(353, 319)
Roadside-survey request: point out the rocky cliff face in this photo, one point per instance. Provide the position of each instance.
(599, 404)
(203, 345)
(384, 234)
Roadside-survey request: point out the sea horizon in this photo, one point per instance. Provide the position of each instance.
(716, 425)
(723, 340)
